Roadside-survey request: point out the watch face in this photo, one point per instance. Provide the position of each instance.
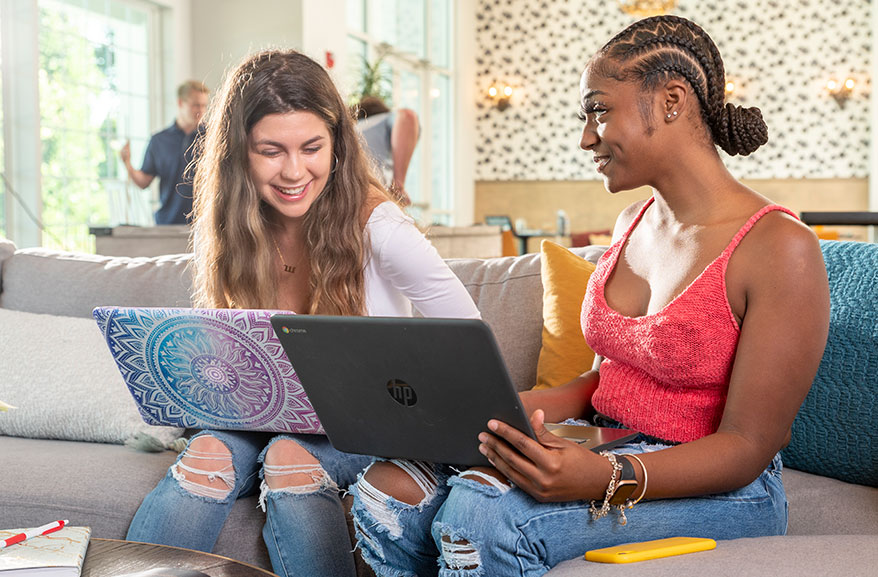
(627, 482)
(624, 490)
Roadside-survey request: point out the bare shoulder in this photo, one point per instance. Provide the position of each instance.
(626, 217)
(786, 236)
(779, 251)
(406, 115)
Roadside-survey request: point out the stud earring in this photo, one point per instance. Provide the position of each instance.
(670, 115)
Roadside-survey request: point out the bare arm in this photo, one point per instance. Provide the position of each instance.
(781, 343)
(138, 177)
(403, 139)
(569, 401)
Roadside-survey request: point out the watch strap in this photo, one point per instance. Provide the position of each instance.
(626, 484)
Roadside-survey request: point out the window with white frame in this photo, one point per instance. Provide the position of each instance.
(94, 87)
(412, 40)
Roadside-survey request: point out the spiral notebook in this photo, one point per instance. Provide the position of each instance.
(207, 369)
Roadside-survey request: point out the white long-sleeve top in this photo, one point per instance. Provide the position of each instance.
(404, 270)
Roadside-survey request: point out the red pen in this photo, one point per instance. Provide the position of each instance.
(44, 530)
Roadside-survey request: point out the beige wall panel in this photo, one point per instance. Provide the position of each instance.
(591, 207)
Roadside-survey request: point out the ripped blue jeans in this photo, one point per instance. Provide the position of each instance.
(305, 528)
(478, 529)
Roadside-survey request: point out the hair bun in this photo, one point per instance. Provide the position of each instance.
(740, 130)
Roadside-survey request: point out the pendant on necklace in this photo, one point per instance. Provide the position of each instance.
(289, 269)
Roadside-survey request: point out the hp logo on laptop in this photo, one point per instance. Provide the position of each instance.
(402, 392)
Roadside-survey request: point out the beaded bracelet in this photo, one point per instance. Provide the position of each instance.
(611, 488)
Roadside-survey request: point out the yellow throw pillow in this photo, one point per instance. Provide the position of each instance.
(564, 354)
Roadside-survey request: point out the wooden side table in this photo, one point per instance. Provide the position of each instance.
(112, 557)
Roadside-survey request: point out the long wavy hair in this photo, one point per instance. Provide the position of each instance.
(234, 264)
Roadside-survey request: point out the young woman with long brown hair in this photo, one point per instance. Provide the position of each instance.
(288, 216)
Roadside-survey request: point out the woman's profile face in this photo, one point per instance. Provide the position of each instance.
(290, 157)
(616, 131)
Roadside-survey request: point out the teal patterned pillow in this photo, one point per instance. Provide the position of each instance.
(835, 433)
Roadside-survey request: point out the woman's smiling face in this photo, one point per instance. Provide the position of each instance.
(616, 130)
(290, 160)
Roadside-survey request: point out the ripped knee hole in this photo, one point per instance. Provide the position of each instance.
(205, 468)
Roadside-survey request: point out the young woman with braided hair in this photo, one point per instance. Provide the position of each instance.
(709, 314)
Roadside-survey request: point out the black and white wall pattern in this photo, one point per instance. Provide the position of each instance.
(779, 53)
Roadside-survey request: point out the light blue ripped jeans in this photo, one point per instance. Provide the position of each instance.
(305, 528)
(476, 529)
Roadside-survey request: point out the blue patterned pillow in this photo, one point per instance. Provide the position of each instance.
(835, 432)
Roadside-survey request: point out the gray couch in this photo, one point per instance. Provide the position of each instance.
(833, 526)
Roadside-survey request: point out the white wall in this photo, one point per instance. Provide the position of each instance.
(224, 31)
(324, 30)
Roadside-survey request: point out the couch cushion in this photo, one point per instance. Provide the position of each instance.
(7, 247)
(564, 354)
(509, 295)
(834, 432)
(60, 374)
(45, 281)
(823, 506)
(847, 555)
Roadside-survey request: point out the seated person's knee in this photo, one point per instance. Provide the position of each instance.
(288, 464)
(394, 480)
(205, 467)
(484, 475)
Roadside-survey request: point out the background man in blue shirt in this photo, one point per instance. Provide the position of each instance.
(168, 154)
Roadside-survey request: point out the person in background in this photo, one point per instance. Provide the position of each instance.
(168, 155)
(708, 314)
(289, 216)
(391, 137)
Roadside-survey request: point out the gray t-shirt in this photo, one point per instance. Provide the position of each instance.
(376, 132)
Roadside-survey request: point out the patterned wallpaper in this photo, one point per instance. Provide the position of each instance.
(780, 53)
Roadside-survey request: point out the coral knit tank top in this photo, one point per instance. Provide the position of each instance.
(666, 374)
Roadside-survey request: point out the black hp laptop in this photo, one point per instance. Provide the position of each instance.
(411, 388)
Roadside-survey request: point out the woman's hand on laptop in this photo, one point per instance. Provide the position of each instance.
(548, 469)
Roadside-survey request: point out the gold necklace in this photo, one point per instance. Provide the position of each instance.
(287, 268)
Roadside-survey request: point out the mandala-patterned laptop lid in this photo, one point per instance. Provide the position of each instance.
(207, 369)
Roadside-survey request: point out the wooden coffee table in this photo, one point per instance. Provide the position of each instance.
(112, 557)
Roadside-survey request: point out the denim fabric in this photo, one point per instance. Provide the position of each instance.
(513, 534)
(401, 547)
(305, 534)
(510, 533)
(171, 515)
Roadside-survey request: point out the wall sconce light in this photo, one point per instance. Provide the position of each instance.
(841, 91)
(500, 94)
(730, 88)
(644, 8)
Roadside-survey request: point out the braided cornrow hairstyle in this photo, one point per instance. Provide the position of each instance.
(653, 50)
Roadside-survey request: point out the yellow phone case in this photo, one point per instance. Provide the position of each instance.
(631, 552)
